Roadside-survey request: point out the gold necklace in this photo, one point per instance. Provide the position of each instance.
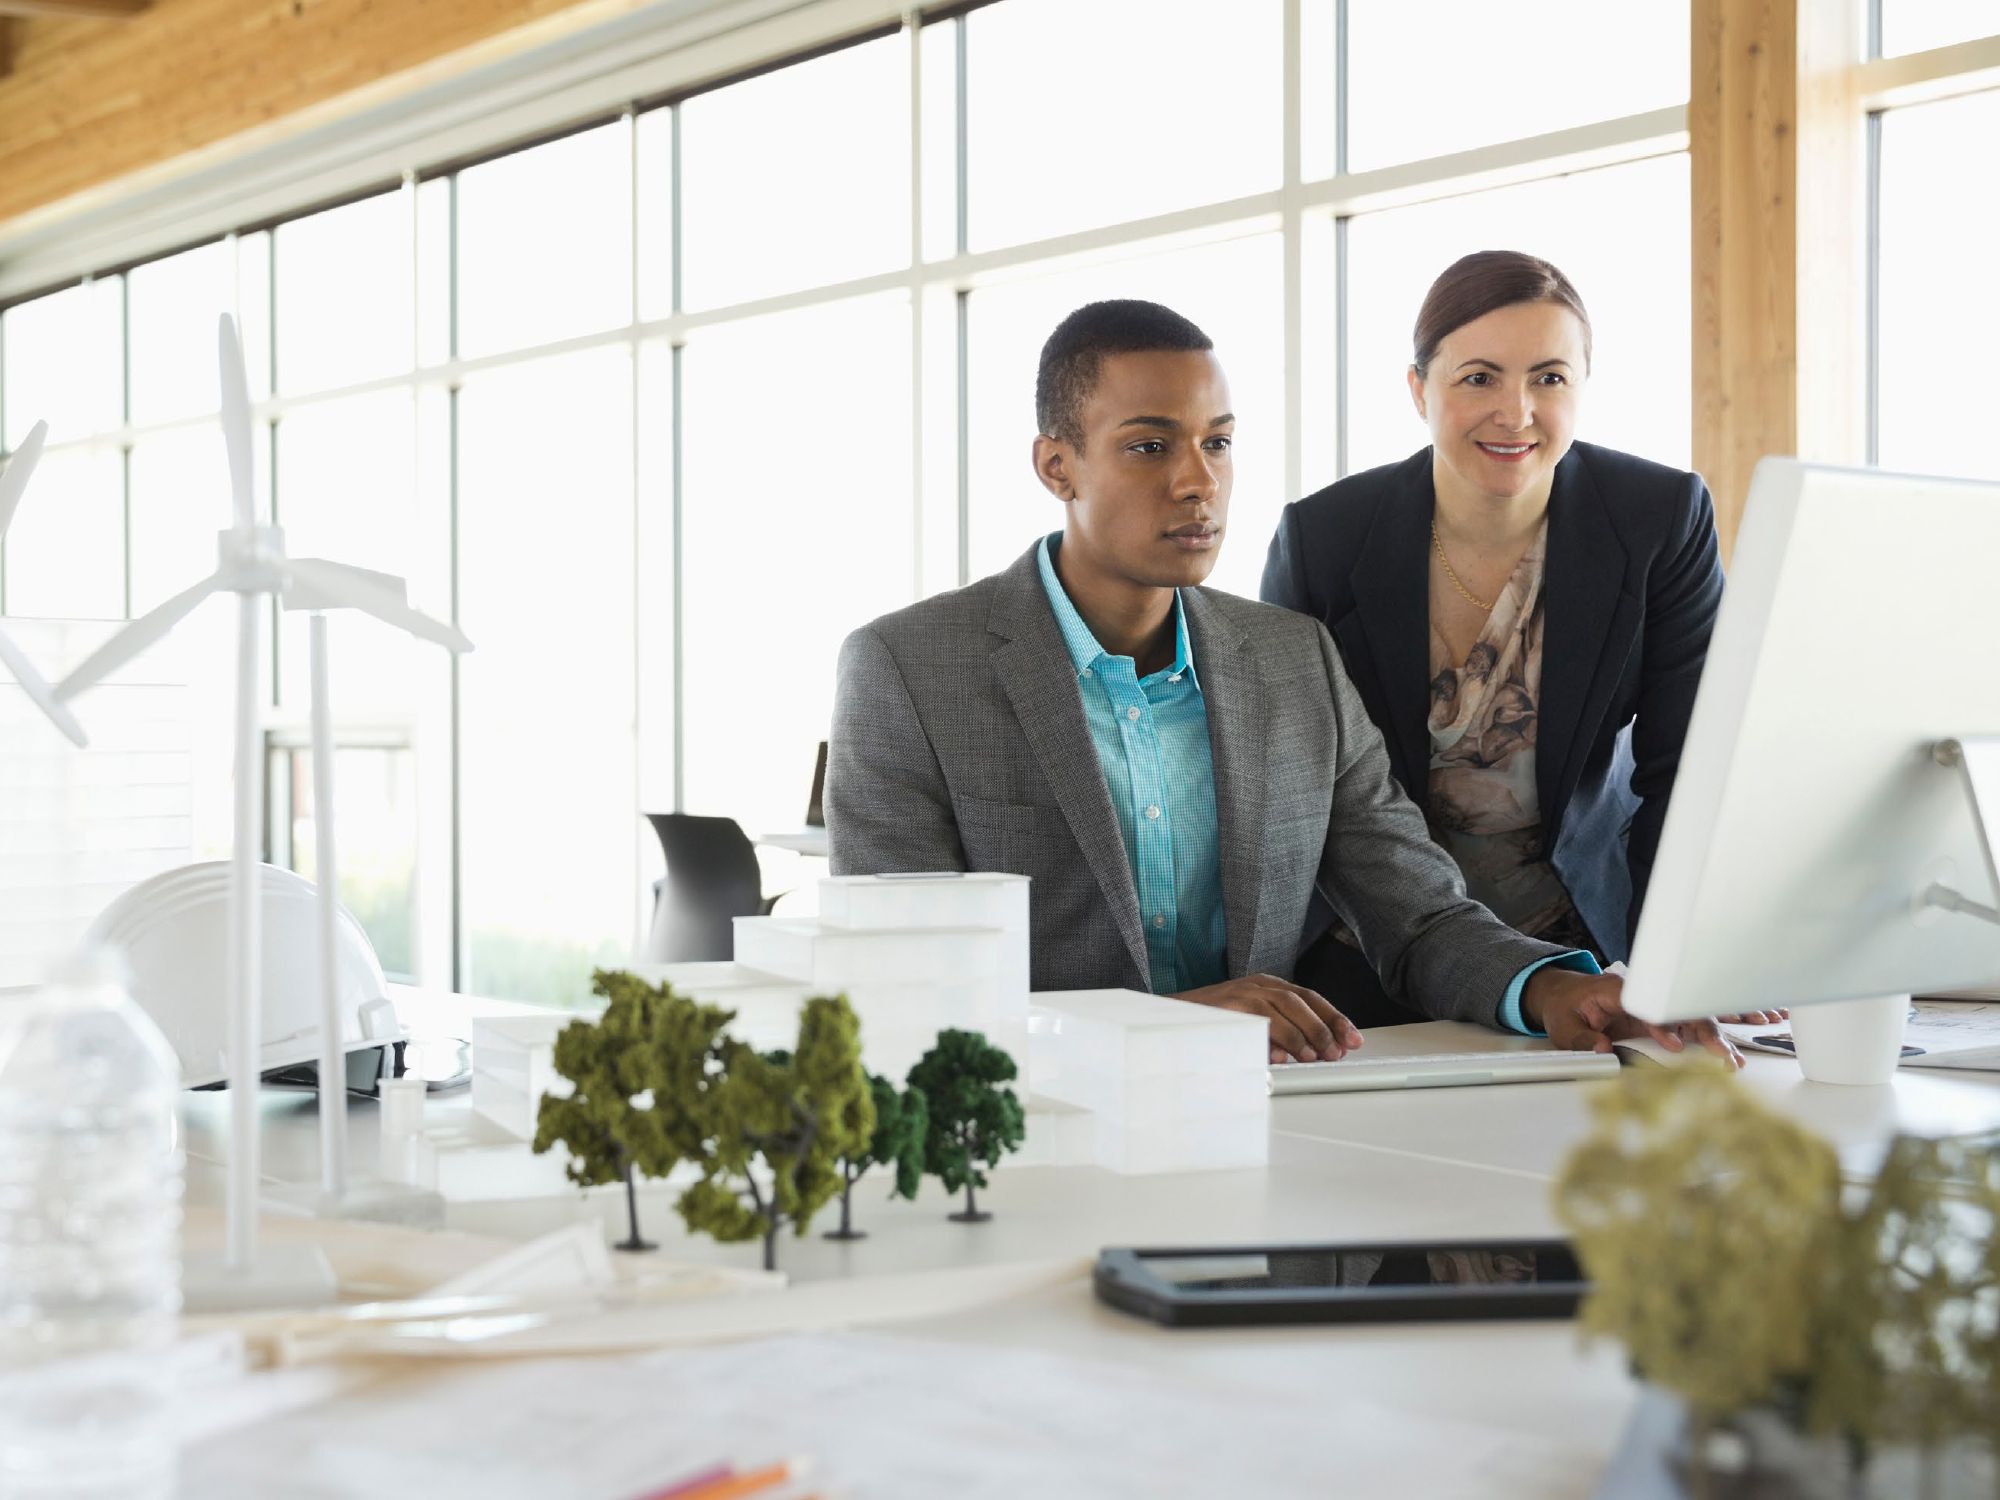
(1478, 604)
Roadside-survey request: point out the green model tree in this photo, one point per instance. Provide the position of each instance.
(1912, 1346)
(902, 1119)
(974, 1119)
(788, 1119)
(1706, 1223)
(636, 1074)
(1726, 1259)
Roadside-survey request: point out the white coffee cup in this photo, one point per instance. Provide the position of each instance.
(1851, 1041)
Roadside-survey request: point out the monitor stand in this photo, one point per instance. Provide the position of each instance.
(1860, 1041)
(1977, 760)
(1854, 1042)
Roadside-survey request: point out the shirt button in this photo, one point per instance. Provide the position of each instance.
(1153, 812)
(1175, 678)
(1088, 673)
(1132, 713)
(1159, 919)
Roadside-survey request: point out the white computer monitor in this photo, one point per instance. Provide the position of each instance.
(1815, 828)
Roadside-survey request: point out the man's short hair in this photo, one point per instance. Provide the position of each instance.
(1074, 354)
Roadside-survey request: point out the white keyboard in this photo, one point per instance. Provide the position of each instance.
(1439, 1070)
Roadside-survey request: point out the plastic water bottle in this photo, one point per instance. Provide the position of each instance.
(90, 1190)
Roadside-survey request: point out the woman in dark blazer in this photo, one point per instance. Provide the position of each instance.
(1525, 616)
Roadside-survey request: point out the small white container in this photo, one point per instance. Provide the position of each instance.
(1855, 1042)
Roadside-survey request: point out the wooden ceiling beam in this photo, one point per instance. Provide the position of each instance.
(103, 10)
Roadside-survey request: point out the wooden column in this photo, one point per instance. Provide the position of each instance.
(1778, 146)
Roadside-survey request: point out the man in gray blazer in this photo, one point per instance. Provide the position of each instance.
(1188, 777)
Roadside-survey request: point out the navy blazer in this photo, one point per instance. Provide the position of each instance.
(1630, 588)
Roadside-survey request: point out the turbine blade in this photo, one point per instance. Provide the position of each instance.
(319, 584)
(236, 424)
(135, 638)
(344, 587)
(14, 478)
(39, 692)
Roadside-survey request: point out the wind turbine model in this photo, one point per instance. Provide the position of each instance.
(253, 566)
(13, 483)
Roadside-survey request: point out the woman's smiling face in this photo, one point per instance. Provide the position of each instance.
(1501, 396)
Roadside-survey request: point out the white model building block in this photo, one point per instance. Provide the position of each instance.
(1126, 1035)
(899, 1022)
(982, 899)
(1058, 1135)
(1161, 1099)
(831, 959)
(1173, 1087)
(513, 1065)
(945, 900)
(766, 1007)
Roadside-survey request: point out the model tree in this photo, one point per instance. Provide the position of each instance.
(1911, 1351)
(775, 1128)
(1707, 1224)
(974, 1119)
(635, 1072)
(902, 1120)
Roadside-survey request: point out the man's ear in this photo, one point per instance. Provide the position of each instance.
(1054, 460)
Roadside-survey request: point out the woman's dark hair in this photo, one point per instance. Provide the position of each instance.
(1478, 284)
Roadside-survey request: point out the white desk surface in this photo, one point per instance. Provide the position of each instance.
(808, 841)
(1465, 1162)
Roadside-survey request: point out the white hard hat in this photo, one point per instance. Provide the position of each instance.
(173, 933)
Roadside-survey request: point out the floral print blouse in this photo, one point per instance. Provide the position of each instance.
(1484, 808)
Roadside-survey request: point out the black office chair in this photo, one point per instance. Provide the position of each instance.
(712, 878)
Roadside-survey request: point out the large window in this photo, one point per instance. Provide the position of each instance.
(63, 362)
(1938, 301)
(1231, 289)
(795, 529)
(346, 297)
(545, 243)
(827, 144)
(1452, 75)
(1089, 112)
(549, 830)
(661, 408)
(1919, 25)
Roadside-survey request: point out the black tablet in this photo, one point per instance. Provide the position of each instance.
(1409, 1280)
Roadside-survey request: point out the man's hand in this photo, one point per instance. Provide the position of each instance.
(1304, 1027)
(1586, 1013)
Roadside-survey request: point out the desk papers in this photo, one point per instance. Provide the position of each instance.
(888, 1418)
(1952, 1033)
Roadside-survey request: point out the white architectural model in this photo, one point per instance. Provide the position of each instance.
(1113, 1078)
(1169, 1086)
(253, 565)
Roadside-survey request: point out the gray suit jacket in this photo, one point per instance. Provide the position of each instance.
(959, 743)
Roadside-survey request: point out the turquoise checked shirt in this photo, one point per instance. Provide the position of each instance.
(1151, 738)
